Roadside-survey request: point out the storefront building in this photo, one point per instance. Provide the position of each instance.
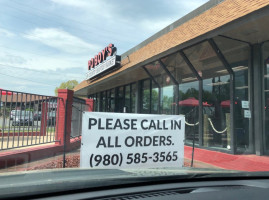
(211, 66)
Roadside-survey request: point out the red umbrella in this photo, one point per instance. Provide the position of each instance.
(4, 92)
(225, 103)
(191, 102)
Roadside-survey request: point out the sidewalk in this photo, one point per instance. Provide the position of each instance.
(228, 161)
(202, 159)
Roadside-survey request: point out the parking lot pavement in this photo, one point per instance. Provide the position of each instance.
(6, 122)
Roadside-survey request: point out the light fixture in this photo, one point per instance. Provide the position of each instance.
(241, 87)
(189, 79)
(224, 71)
(217, 83)
(235, 69)
(239, 68)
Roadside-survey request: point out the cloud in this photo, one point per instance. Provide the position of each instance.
(11, 59)
(76, 3)
(61, 40)
(41, 63)
(154, 25)
(93, 8)
(6, 33)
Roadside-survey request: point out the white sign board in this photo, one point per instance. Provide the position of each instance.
(124, 140)
(245, 104)
(247, 114)
(101, 67)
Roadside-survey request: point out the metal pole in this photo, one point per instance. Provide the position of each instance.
(66, 102)
(193, 138)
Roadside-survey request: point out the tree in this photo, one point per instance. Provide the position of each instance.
(66, 85)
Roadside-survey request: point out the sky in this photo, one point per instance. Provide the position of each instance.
(46, 42)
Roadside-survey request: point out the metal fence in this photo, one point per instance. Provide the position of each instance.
(26, 119)
(78, 107)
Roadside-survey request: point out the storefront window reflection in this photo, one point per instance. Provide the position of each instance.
(154, 99)
(238, 56)
(111, 100)
(119, 103)
(266, 93)
(145, 96)
(127, 99)
(216, 89)
(133, 97)
(102, 101)
(189, 106)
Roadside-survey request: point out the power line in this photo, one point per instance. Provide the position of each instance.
(62, 17)
(103, 33)
(27, 79)
(45, 55)
(33, 70)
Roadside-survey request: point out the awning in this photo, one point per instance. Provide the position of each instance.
(191, 102)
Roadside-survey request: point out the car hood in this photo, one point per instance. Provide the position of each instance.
(38, 182)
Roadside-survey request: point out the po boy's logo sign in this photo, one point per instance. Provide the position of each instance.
(99, 64)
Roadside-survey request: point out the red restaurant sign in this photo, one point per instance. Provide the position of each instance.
(99, 64)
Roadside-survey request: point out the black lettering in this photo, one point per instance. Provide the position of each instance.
(142, 122)
(108, 124)
(155, 140)
(117, 142)
(101, 142)
(99, 124)
(147, 141)
(158, 125)
(139, 140)
(177, 124)
(152, 125)
(92, 122)
(162, 140)
(164, 123)
(130, 138)
(169, 141)
(133, 124)
(126, 123)
(109, 145)
(118, 124)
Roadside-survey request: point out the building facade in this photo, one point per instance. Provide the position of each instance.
(211, 66)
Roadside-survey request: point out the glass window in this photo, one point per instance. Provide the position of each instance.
(266, 92)
(119, 99)
(133, 97)
(189, 106)
(205, 60)
(111, 100)
(154, 99)
(127, 100)
(96, 102)
(216, 116)
(168, 100)
(238, 56)
(177, 67)
(216, 89)
(145, 96)
(102, 101)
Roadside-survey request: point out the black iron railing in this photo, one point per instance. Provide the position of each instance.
(78, 107)
(26, 119)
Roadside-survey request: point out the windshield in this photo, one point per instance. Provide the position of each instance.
(146, 88)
